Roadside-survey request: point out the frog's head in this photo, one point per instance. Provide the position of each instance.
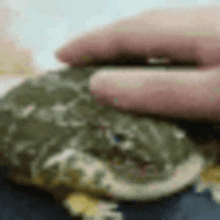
(138, 158)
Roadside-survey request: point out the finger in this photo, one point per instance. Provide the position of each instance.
(193, 94)
(178, 34)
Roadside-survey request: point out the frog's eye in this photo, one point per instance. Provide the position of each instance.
(119, 138)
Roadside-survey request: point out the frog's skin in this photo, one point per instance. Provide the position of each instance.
(55, 136)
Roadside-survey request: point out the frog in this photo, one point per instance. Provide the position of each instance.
(55, 136)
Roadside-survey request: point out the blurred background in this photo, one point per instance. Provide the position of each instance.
(30, 30)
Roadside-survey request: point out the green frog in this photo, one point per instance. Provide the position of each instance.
(56, 137)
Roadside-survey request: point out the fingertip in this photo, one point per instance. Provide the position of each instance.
(101, 87)
(65, 53)
(59, 55)
(95, 83)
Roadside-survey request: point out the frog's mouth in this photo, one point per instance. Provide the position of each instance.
(182, 176)
(132, 176)
(135, 169)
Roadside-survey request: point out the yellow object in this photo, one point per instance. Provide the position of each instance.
(85, 58)
(83, 204)
(212, 174)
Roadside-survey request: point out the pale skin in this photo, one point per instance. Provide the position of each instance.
(176, 34)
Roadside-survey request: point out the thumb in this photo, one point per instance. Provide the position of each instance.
(189, 93)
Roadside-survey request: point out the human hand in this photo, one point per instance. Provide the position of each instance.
(177, 34)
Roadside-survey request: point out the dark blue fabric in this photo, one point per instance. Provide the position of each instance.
(17, 205)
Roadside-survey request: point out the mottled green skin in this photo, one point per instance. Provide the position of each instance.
(55, 114)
